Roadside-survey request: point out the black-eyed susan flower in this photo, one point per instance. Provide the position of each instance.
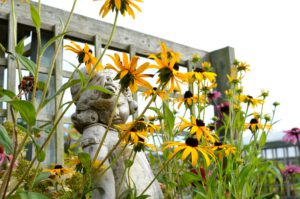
(168, 68)
(197, 127)
(248, 99)
(243, 66)
(128, 73)
(59, 173)
(226, 148)
(191, 148)
(188, 99)
(206, 66)
(254, 124)
(199, 74)
(122, 6)
(161, 93)
(85, 55)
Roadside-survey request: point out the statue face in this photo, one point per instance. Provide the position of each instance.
(122, 111)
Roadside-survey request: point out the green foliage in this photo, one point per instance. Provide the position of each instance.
(27, 63)
(5, 140)
(35, 16)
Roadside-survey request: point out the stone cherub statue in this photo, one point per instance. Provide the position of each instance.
(93, 110)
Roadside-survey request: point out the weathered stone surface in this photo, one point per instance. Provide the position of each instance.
(93, 110)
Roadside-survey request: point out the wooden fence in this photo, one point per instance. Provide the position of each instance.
(94, 32)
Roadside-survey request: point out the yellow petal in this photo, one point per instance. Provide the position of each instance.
(186, 152)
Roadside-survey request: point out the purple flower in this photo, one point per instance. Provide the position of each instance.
(292, 135)
(290, 170)
(4, 157)
(214, 95)
(223, 107)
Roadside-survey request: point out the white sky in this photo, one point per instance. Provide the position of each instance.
(264, 33)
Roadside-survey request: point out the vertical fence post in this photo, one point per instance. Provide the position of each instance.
(222, 60)
(11, 64)
(132, 52)
(59, 134)
(98, 45)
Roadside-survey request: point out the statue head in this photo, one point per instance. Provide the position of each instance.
(94, 106)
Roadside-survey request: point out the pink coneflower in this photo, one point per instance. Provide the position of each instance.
(214, 95)
(292, 135)
(4, 157)
(290, 170)
(223, 107)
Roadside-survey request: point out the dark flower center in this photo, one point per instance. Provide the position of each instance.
(134, 129)
(193, 142)
(176, 67)
(253, 121)
(1, 149)
(58, 166)
(199, 70)
(249, 96)
(188, 94)
(218, 143)
(225, 109)
(80, 57)
(200, 122)
(154, 88)
(295, 131)
(290, 171)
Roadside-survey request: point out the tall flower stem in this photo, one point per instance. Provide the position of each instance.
(39, 56)
(107, 128)
(54, 58)
(107, 44)
(14, 31)
(9, 171)
(158, 173)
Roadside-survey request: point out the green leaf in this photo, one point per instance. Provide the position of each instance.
(42, 155)
(85, 160)
(40, 177)
(51, 41)
(20, 46)
(62, 88)
(35, 16)
(169, 119)
(5, 140)
(263, 139)
(128, 163)
(8, 93)
(26, 109)
(27, 63)
(32, 195)
(101, 89)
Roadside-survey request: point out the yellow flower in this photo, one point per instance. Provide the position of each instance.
(243, 66)
(190, 147)
(168, 69)
(59, 173)
(234, 78)
(248, 99)
(227, 148)
(128, 73)
(188, 99)
(254, 125)
(85, 55)
(200, 75)
(197, 127)
(206, 66)
(120, 5)
(161, 93)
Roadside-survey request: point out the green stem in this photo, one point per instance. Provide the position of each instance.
(14, 31)
(107, 44)
(9, 171)
(122, 177)
(158, 173)
(45, 143)
(54, 59)
(107, 128)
